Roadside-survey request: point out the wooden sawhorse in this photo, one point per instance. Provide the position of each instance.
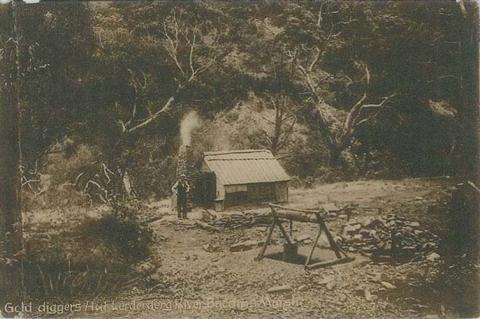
(306, 216)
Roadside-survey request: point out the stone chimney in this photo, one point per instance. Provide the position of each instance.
(185, 166)
(184, 162)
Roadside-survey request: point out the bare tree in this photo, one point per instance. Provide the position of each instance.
(337, 126)
(191, 49)
(282, 124)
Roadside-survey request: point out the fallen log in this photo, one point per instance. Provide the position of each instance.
(206, 226)
(153, 219)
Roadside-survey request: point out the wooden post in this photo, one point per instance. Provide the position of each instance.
(291, 228)
(313, 246)
(284, 232)
(264, 247)
(331, 241)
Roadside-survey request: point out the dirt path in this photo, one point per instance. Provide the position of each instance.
(199, 277)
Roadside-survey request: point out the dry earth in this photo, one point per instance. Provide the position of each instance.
(198, 276)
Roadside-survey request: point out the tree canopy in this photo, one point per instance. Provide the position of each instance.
(372, 82)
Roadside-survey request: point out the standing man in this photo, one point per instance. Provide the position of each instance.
(181, 189)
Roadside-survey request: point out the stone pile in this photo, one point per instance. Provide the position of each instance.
(392, 236)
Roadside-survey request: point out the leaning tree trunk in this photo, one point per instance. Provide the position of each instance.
(10, 213)
(335, 157)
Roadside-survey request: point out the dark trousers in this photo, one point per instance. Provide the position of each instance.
(182, 207)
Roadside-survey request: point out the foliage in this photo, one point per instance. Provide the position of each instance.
(56, 43)
(59, 276)
(154, 177)
(366, 105)
(459, 274)
(121, 229)
(66, 260)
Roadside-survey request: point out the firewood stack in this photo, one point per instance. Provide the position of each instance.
(392, 236)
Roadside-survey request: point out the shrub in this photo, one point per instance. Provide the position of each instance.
(154, 178)
(59, 275)
(85, 257)
(121, 229)
(459, 278)
(68, 265)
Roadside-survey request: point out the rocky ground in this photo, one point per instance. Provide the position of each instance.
(195, 273)
(200, 277)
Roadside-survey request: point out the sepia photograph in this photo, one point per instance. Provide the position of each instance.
(239, 159)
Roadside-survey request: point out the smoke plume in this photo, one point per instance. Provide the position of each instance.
(189, 122)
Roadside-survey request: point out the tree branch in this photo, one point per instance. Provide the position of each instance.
(180, 43)
(146, 121)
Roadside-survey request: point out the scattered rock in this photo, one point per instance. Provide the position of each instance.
(387, 285)
(302, 288)
(330, 207)
(433, 257)
(391, 236)
(367, 294)
(210, 248)
(207, 227)
(352, 228)
(246, 245)
(146, 268)
(303, 238)
(357, 238)
(276, 289)
(325, 280)
(207, 216)
(374, 278)
(156, 276)
(330, 285)
(414, 224)
(162, 237)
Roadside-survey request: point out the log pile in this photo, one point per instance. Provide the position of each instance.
(244, 219)
(391, 236)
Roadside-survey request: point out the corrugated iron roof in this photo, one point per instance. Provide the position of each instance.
(245, 167)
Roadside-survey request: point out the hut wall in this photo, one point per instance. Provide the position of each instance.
(281, 192)
(220, 188)
(252, 193)
(261, 192)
